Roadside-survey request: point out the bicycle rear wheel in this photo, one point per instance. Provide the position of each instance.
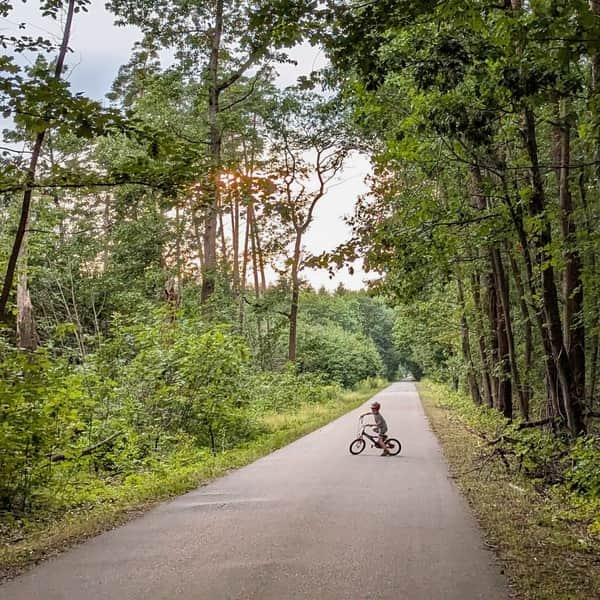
(393, 446)
(357, 446)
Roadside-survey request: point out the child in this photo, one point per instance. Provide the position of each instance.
(380, 426)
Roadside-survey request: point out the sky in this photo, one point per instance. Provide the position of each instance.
(99, 48)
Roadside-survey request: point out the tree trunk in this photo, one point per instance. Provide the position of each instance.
(235, 235)
(30, 176)
(553, 408)
(486, 383)
(528, 328)
(571, 401)
(592, 362)
(504, 304)
(209, 272)
(497, 329)
(494, 328)
(466, 345)
(295, 296)
(27, 337)
(574, 328)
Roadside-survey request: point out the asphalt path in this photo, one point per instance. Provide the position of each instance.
(309, 521)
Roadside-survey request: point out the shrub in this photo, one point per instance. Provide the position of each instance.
(38, 417)
(185, 381)
(345, 358)
(278, 392)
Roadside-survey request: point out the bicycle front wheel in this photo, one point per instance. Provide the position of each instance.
(357, 446)
(393, 446)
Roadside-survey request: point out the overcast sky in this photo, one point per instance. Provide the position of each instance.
(99, 48)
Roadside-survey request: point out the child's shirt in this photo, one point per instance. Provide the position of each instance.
(381, 424)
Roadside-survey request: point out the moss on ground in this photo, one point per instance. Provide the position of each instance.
(547, 551)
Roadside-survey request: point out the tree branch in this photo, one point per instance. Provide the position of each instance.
(60, 456)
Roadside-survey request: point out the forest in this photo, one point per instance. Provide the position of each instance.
(156, 306)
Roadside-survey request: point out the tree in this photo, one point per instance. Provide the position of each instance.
(466, 97)
(309, 145)
(219, 43)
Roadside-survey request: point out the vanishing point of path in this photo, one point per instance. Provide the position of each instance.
(309, 521)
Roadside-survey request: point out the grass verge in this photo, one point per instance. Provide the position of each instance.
(546, 548)
(45, 539)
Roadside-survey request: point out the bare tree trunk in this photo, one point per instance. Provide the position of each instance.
(30, 176)
(27, 337)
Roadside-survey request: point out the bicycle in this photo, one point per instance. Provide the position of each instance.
(359, 444)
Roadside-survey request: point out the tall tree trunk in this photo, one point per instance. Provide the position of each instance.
(255, 275)
(554, 404)
(504, 304)
(245, 260)
(592, 363)
(504, 395)
(496, 321)
(209, 272)
(466, 345)
(292, 343)
(571, 400)
(494, 328)
(527, 327)
(197, 236)
(574, 327)
(486, 383)
(235, 235)
(30, 176)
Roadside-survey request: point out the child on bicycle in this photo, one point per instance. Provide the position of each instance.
(380, 427)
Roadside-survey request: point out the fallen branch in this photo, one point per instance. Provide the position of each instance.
(60, 456)
(539, 423)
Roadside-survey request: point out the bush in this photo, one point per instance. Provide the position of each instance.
(279, 392)
(583, 473)
(345, 358)
(185, 381)
(38, 417)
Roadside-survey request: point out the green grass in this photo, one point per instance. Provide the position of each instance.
(547, 547)
(38, 540)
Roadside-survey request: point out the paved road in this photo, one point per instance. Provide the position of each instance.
(309, 521)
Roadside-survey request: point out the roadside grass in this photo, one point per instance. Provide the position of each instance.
(39, 540)
(544, 539)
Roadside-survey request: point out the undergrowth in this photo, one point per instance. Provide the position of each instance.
(536, 496)
(89, 505)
